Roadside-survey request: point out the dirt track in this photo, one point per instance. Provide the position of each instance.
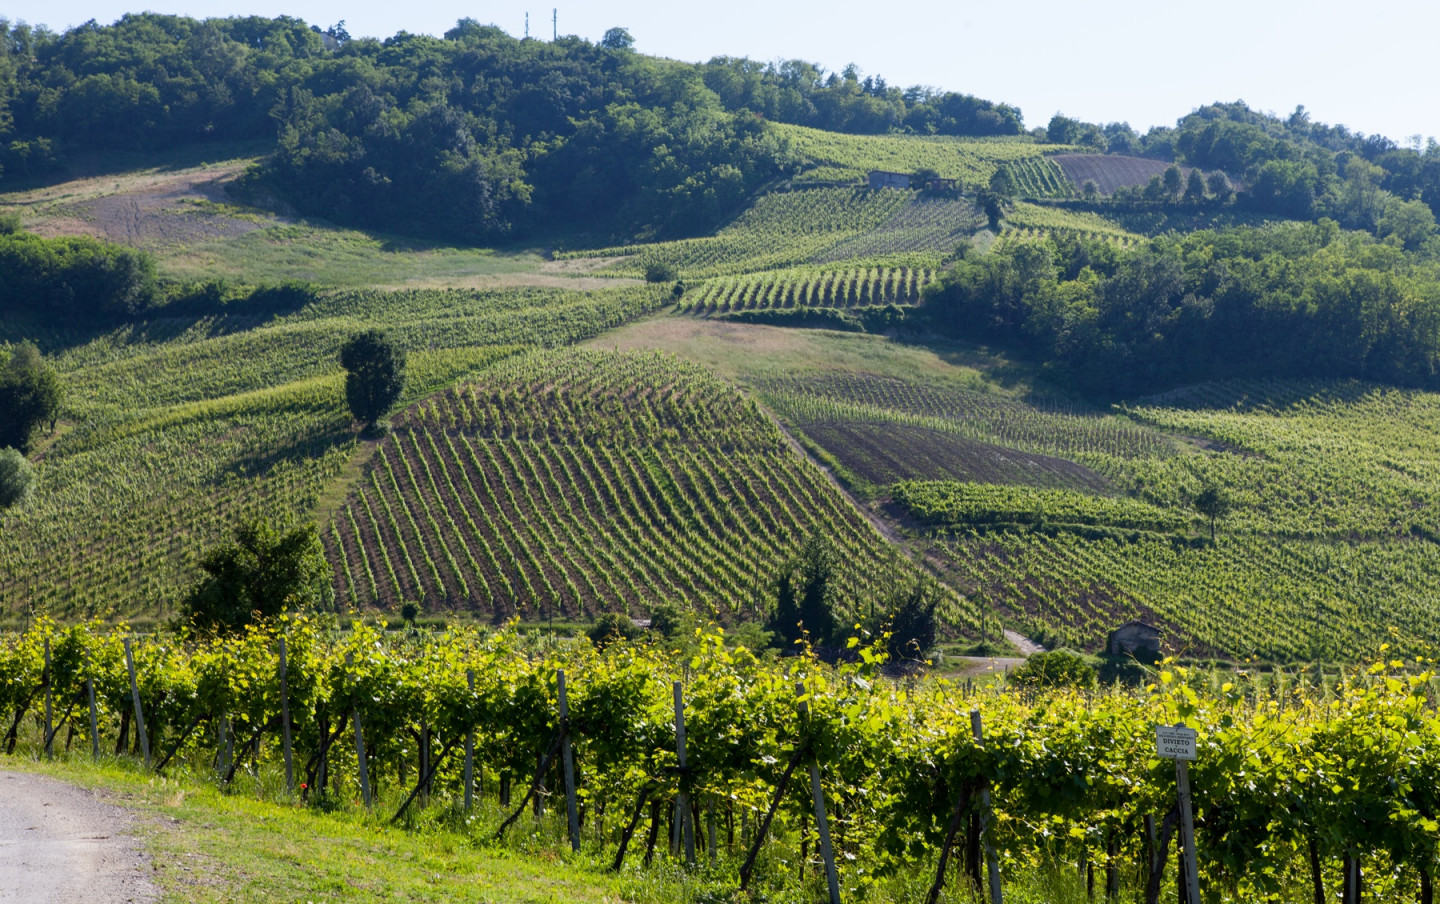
(60, 843)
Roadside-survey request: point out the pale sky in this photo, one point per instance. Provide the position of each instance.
(1367, 66)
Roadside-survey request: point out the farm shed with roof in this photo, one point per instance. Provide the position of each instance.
(1134, 637)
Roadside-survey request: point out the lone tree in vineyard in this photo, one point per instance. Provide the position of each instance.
(805, 607)
(375, 375)
(30, 395)
(1212, 503)
(263, 573)
(17, 478)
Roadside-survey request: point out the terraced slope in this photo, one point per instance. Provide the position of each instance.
(579, 482)
(1110, 171)
(1073, 521)
(179, 428)
(835, 157)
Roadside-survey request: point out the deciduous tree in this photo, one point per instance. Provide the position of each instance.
(17, 478)
(31, 394)
(375, 375)
(264, 572)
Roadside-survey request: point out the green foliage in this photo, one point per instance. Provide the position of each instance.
(911, 622)
(617, 39)
(577, 482)
(1213, 503)
(781, 229)
(374, 375)
(191, 424)
(71, 278)
(1284, 759)
(809, 287)
(660, 271)
(31, 394)
(668, 620)
(953, 504)
(613, 627)
(17, 478)
(805, 605)
(263, 573)
(1055, 669)
(833, 156)
(1295, 301)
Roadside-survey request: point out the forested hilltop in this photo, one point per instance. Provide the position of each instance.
(474, 136)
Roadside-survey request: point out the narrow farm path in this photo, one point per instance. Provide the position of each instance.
(61, 843)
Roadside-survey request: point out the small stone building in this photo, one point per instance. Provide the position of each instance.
(1134, 638)
(883, 179)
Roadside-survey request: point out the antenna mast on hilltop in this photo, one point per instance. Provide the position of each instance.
(527, 26)
(555, 24)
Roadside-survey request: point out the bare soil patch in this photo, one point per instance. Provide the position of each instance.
(887, 453)
(150, 210)
(1109, 171)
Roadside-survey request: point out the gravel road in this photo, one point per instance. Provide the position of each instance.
(60, 843)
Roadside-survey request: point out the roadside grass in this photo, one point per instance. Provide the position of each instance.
(255, 844)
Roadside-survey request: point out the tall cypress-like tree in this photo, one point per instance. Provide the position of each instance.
(375, 375)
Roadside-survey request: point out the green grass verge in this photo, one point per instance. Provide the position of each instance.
(210, 846)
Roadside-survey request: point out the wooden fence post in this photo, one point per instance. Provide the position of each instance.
(139, 711)
(567, 754)
(49, 712)
(361, 766)
(94, 715)
(822, 825)
(222, 762)
(285, 719)
(1187, 832)
(710, 827)
(470, 750)
(992, 862)
(682, 800)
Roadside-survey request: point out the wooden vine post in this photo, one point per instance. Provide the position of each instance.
(992, 862)
(567, 755)
(49, 712)
(682, 800)
(361, 766)
(139, 711)
(285, 719)
(94, 715)
(1179, 744)
(470, 749)
(822, 825)
(222, 762)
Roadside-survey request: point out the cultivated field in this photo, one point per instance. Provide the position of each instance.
(582, 482)
(1110, 171)
(177, 429)
(834, 157)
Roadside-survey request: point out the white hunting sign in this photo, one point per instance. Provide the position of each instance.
(1175, 742)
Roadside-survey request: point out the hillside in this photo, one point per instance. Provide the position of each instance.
(1019, 386)
(1329, 549)
(178, 428)
(577, 483)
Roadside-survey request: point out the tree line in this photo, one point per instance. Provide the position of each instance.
(1284, 300)
(1286, 166)
(473, 136)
